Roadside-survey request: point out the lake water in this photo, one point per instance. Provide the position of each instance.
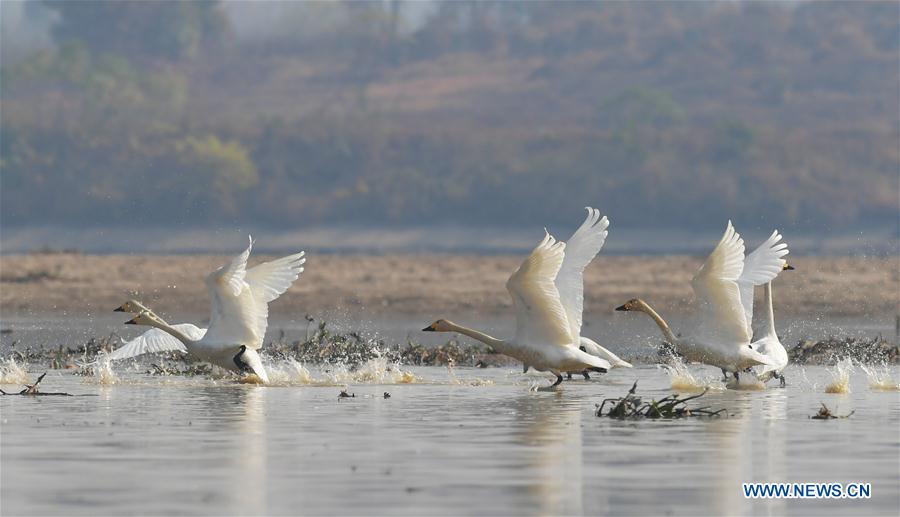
(462, 442)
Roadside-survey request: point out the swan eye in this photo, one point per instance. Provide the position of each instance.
(582, 349)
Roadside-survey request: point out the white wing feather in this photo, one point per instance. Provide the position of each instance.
(540, 317)
(233, 319)
(156, 340)
(268, 281)
(715, 286)
(581, 248)
(760, 267)
(240, 297)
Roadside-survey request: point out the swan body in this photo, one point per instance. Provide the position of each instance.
(238, 321)
(581, 248)
(592, 347)
(722, 336)
(770, 345)
(544, 335)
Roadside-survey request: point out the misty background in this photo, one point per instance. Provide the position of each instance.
(447, 126)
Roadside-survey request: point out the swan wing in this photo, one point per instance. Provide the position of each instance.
(540, 316)
(156, 340)
(722, 318)
(233, 319)
(760, 267)
(267, 282)
(581, 248)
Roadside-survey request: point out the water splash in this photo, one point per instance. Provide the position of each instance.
(378, 370)
(746, 382)
(12, 372)
(685, 381)
(451, 374)
(880, 378)
(101, 371)
(840, 376)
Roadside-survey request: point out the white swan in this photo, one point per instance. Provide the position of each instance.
(543, 336)
(761, 267)
(581, 248)
(722, 335)
(769, 344)
(240, 313)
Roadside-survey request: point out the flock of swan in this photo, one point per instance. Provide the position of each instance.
(547, 290)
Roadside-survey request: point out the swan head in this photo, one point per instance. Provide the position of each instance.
(440, 326)
(145, 317)
(634, 304)
(132, 306)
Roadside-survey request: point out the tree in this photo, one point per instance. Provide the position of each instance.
(159, 30)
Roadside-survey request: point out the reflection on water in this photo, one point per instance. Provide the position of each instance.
(154, 445)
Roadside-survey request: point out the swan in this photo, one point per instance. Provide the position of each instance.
(769, 344)
(240, 313)
(581, 248)
(544, 337)
(722, 336)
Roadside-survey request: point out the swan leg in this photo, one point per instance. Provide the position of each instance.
(736, 377)
(724, 375)
(781, 380)
(586, 376)
(525, 368)
(568, 376)
(552, 387)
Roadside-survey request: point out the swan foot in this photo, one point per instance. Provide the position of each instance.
(781, 382)
(553, 386)
(587, 377)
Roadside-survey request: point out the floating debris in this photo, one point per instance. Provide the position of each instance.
(32, 390)
(632, 407)
(345, 395)
(866, 351)
(826, 414)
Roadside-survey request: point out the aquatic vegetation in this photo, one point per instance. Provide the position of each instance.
(876, 350)
(840, 376)
(633, 407)
(826, 414)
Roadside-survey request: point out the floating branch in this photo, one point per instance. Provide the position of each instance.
(32, 390)
(631, 406)
(826, 414)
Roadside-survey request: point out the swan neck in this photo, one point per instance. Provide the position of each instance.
(661, 323)
(165, 327)
(497, 344)
(769, 312)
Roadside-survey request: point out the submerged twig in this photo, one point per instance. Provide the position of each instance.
(32, 390)
(826, 414)
(631, 406)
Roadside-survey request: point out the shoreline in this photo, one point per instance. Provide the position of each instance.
(374, 286)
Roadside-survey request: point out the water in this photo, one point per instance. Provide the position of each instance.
(466, 441)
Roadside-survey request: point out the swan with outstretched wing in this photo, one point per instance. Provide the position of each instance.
(238, 321)
(543, 337)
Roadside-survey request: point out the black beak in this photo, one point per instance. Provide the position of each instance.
(118, 309)
(621, 308)
(788, 267)
(131, 322)
(428, 329)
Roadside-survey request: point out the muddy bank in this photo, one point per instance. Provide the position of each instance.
(432, 285)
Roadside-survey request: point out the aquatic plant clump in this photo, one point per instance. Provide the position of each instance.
(354, 349)
(633, 407)
(866, 351)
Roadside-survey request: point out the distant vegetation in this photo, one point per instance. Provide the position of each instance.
(511, 112)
